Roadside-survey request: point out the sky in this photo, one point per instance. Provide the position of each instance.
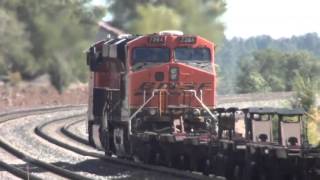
(276, 18)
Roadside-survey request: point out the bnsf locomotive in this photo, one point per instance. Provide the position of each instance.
(152, 99)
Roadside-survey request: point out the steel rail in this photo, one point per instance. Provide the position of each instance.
(18, 172)
(66, 131)
(7, 116)
(51, 168)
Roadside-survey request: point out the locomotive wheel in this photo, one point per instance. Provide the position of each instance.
(106, 143)
(136, 159)
(220, 166)
(90, 133)
(102, 137)
(237, 173)
(120, 141)
(250, 172)
(157, 158)
(262, 176)
(105, 135)
(214, 165)
(230, 167)
(168, 159)
(96, 135)
(275, 173)
(206, 167)
(182, 162)
(148, 155)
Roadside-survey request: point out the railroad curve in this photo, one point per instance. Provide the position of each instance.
(29, 156)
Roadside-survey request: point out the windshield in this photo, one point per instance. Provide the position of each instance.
(192, 54)
(153, 55)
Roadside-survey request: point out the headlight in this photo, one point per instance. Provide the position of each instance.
(174, 73)
(152, 112)
(196, 112)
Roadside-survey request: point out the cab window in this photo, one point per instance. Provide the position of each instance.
(148, 54)
(192, 54)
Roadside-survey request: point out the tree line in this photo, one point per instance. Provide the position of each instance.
(47, 37)
(148, 16)
(50, 37)
(264, 64)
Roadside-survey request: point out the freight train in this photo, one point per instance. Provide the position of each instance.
(152, 98)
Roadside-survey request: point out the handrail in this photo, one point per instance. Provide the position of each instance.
(201, 103)
(142, 106)
(158, 90)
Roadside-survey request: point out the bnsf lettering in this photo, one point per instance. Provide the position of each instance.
(147, 86)
(172, 85)
(205, 85)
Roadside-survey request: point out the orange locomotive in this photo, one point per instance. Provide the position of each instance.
(152, 97)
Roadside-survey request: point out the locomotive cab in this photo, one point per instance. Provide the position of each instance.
(166, 89)
(171, 98)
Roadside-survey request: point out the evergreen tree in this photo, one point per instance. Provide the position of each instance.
(148, 16)
(57, 33)
(14, 46)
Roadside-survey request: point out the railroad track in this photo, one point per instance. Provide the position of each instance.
(58, 171)
(64, 130)
(74, 166)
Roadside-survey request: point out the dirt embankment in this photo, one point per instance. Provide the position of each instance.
(41, 93)
(27, 95)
